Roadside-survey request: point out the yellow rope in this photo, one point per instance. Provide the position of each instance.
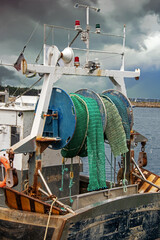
(49, 216)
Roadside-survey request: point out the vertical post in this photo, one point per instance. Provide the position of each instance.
(124, 40)
(114, 171)
(49, 79)
(44, 33)
(87, 15)
(68, 37)
(128, 155)
(111, 170)
(31, 168)
(87, 28)
(131, 155)
(44, 46)
(52, 35)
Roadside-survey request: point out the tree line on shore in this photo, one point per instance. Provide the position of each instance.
(14, 91)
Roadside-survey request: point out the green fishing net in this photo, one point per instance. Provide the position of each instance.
(122, 111)
(93, 141)
(75, 145)
(114, 130)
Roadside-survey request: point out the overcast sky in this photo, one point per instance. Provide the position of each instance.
(18, 18)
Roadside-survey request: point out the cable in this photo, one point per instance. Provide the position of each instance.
(7, 104)
(30, 37)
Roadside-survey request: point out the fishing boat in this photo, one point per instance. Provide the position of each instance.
(44, 139)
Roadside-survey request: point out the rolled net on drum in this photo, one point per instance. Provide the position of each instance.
(75, 145)
(88, 135)
(122, 111)
(114, 130)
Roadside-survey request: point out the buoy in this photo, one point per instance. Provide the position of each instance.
(6, 165)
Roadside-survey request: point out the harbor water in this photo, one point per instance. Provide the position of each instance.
(146, 122)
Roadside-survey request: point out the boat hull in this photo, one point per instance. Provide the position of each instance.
(128, 217)
(132, 217)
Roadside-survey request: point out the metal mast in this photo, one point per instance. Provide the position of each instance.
(77, 5)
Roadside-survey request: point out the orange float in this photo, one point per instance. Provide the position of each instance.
(6, 165)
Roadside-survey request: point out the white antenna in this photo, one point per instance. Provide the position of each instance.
(86, 6)
(77, 5)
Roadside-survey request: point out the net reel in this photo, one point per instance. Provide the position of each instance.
(125, 101)
(91, 94)
(60, 120)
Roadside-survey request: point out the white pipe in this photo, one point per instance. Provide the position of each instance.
(45, 184)
(138, 169)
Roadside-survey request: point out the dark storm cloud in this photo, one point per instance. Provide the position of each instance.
(39, 10)
(8, 75)
(19, 18)
(130, 13)
(153, 6)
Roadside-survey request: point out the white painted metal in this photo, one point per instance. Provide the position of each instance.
(87, 16)
(42, 107)
(87, 34)
(67, 55)
(124, 39)
(19, 115)
(55, 158)
(5, 137)
(52, 74)
(8, 118)
(83, 71)
(29, 101)
(97, 51)
(28, 144)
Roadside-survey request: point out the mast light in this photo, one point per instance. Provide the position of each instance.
(98, 28)
(77, 25)
(76, 61)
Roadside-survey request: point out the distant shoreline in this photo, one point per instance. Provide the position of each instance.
(146, 104)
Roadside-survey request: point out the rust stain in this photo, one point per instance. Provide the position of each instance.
(54, 178)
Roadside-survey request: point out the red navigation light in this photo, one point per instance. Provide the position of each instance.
(77, 25)
(76, 61)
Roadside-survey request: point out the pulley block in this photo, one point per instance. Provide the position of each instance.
(142, 159)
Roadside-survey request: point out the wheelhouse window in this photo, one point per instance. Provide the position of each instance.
(15, 135)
